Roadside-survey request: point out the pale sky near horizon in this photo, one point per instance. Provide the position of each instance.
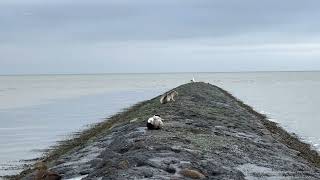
(114, 36)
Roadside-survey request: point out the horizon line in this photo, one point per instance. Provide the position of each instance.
(115, 73)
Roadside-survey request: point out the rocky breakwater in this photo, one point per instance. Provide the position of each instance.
(207, 134)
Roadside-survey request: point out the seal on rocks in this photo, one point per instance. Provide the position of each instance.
(191, 173)
(42, 173)
(155, 122)
(169, 96)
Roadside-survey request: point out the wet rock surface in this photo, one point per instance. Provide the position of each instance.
(207, 134)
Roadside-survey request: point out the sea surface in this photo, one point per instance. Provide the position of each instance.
(36, 111)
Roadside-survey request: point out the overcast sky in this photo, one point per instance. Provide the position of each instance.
(114, 36)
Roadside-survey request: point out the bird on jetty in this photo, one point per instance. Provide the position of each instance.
(192, 80)
(155, 123)
(42, 173)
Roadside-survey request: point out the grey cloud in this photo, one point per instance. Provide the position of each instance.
(89, 36)
(125, 20)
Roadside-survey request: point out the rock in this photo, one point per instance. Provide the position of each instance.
(51, 176)
(133, 120)
(123, 164)
(191, 173)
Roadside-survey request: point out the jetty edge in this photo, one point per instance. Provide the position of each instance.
(207, 134)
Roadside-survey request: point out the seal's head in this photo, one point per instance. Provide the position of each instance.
(41, 166)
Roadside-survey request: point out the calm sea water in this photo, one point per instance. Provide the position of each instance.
(37, 111)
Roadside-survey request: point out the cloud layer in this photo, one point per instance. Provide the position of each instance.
(145, 36)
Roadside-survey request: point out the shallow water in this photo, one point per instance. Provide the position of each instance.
(37, 111)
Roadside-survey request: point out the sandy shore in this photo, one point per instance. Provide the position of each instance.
(207, 134)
